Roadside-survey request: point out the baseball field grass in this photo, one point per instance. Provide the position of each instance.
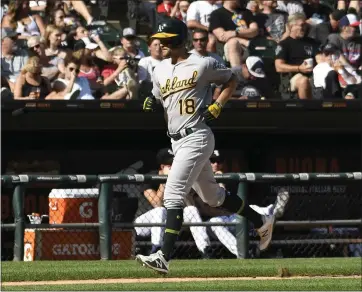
(318, 274)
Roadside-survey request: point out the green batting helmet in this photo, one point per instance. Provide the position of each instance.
(172, 29)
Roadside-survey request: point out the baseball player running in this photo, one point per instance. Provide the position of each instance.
(181, 82)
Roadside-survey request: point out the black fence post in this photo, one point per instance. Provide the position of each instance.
(19, 220)
(242, 228)
(105, 222)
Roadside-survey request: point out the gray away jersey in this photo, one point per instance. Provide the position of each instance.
(184, 89)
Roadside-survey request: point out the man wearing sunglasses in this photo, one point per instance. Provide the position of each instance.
(51, 67)
(181, 83)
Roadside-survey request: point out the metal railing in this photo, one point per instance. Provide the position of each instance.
(106, 193)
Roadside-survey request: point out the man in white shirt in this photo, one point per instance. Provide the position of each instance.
(147, 64)
(198, 16)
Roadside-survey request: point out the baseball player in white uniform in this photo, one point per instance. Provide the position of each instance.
(181, 83)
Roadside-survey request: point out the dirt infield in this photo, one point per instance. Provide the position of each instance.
(166, 280)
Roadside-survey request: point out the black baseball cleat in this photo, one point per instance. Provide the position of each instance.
(155, 261)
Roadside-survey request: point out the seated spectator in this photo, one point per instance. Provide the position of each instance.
(37, 5)
(30, 84)
(321, 31)
(325, 77)
(199, 43)
(253, 83)
(72, 86)
(101, 52)
(57, 18)
(233, 25)
(295, 58)
(66, 6)
(290, 6)
(349, 4)
(122, 82)
(170, 8)
(128, 42)
(198, 18)
(347, 41)
(12, 59)
(147, 64)
(20, 19)
(254, 6)
(271, 22)
(316, 12)
(53, 50)
(51, 67)
(84, 50)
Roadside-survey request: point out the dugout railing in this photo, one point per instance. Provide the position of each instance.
(20, 183)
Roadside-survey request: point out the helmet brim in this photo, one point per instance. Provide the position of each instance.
(163, 35)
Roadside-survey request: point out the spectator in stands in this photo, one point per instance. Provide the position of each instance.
(295, 58)
(71, 87)
(184, 7)
(325, 76)
(30, 84)
(20, 19)
(349, 4)
(253, 83)
(271, 22)
(12, 58)
(147, 64)
(199, 43)
(128, 42)
(84, 51)
(51, 67)
(321, 31)
(170, 8)
(233, 25)
(37, 5)
(121, 83)
(198, 16)
(316, 12)
(290, 6)
(347, 41)
(81, 33)
(254, 6)
(52, 39)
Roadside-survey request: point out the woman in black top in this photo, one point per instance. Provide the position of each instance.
(30, 84)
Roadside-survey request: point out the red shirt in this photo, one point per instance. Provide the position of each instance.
(167, 8)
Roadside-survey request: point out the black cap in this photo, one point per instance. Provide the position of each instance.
(165, 156)
(216, 156)
(338, 14)
(329, 49)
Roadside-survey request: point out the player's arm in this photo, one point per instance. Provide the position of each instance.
(149, 104)
(155, 198)
(220, 75)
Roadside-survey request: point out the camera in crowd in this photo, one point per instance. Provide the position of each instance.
(132, 62)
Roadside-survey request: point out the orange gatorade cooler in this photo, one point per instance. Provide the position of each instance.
(73, 206)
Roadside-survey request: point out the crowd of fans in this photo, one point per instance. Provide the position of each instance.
(308, 49)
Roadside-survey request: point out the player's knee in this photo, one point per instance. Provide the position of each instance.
(173, 203)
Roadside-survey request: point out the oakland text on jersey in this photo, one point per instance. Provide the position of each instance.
(177, 85)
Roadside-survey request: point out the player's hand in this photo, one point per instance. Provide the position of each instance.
(149, 104)
(212, 112)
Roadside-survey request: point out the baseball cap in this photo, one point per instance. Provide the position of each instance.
(165, 156)
(85, 43)
(337, 15)
(329, 49)
(7, 32)
(255, 66)
(216, 156)
(129, 32)
(349, 20)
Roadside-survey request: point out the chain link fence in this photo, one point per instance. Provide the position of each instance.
(213, 236)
